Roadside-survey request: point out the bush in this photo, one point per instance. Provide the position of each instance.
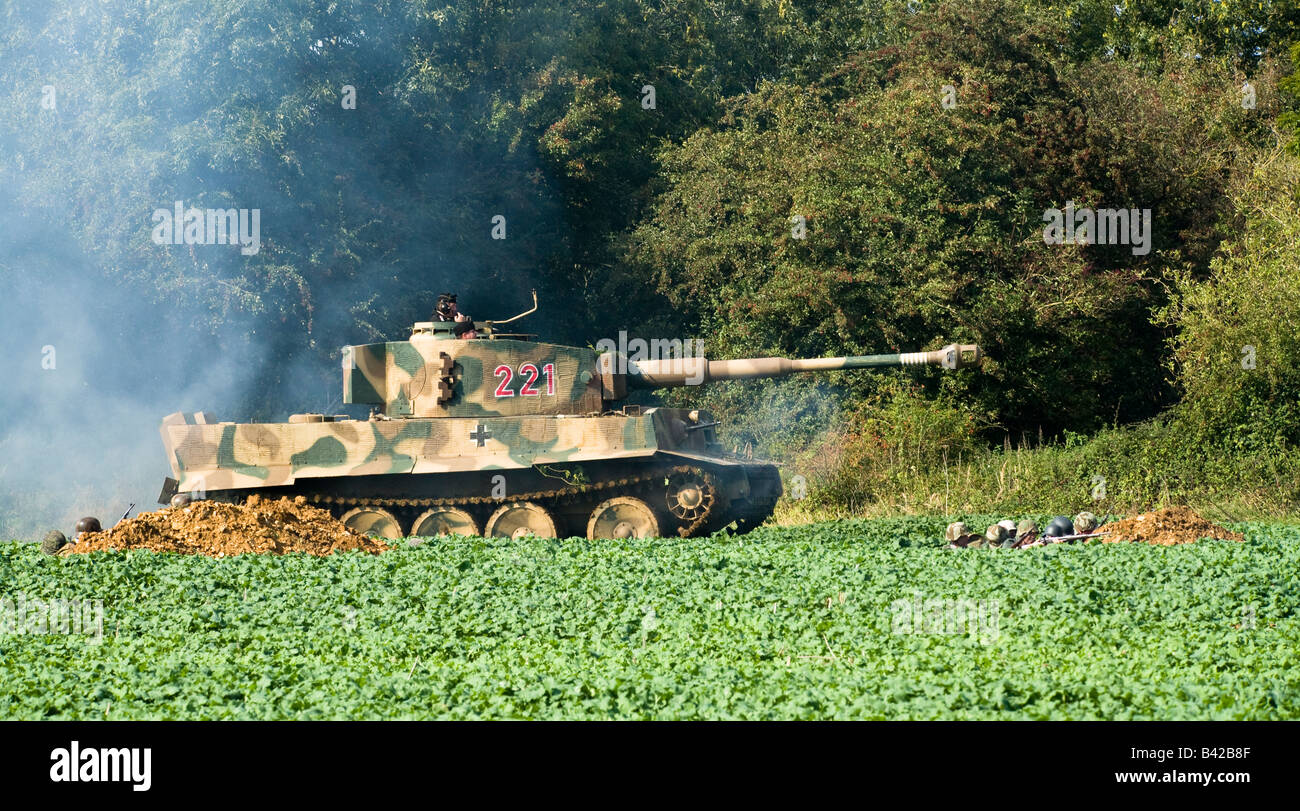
(1237, 349)
(1116, 471)
(887, 442)
(923, 224)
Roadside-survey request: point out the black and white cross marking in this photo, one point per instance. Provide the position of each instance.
(480, 435)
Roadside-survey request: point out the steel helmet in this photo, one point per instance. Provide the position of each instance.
(1085, 522)
(54, 541)
(1058, 527)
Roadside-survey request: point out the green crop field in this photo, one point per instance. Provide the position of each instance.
(851, 619)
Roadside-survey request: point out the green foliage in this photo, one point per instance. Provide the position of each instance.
(1289, 85)
(784, 623)
(925, 224)
(468, 109)
(1116, 470)
(1237, 348)
(1146, 31)
(877, 450)
(464, 110)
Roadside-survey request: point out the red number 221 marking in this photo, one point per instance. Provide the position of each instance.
(529, 370)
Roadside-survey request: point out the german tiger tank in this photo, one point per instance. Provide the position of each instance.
(500, 435)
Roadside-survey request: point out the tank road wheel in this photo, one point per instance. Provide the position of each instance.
(519, 520)
(444, 521)
(690, 498)
(623, 517)
(373, 521)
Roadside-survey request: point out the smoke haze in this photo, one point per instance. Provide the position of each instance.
(116, 109)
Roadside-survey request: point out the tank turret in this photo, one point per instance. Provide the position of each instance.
(488, 431)
(432, 375)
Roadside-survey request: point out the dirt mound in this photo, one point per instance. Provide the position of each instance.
(260, 526)
(1172, 525)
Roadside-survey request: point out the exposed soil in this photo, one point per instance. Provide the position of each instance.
(1172, 525)
(260, 526)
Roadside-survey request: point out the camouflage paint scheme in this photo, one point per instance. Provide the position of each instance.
(403, 377)
(458, 407)
(227, 456)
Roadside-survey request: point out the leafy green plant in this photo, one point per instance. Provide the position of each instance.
(782, 623)
(1237, 351)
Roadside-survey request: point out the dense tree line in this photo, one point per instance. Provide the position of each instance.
(923, 219)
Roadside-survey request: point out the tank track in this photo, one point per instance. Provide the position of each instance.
(568, 501)
(625, 485)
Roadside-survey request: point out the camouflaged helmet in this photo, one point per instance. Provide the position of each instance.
(1027, 526)
(995, 534)
(1085, 522)
(955, 530)
(54, 541)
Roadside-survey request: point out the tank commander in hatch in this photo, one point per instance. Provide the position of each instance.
(465, 330)
(446, 309)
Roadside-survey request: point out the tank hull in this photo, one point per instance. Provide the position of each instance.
(565, 465)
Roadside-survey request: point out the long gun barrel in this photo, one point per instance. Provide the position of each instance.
(672, 373)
